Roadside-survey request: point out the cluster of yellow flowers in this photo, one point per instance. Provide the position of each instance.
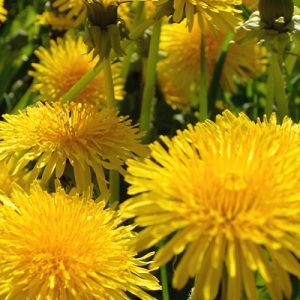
(223, 196)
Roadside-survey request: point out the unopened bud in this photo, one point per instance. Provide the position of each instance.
(101, 14)
(103, 32)
(276, 14)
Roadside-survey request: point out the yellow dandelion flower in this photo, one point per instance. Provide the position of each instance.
(64, 247)
(56, 20)
(3, 11)
(79, 134)
(228, 196)
(178, 72)
(63, 64)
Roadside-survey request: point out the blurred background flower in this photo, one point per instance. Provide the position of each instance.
(64, 14)
(179, 70)
(3, 11)
(57, 21)
(63, 64)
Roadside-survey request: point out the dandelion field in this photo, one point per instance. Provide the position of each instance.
(150, 149)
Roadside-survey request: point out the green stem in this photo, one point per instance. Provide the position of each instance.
(255, 100)
(279, 89)
(24, 101)
(114, 186)
(276, 87)
(139, 30)
(114, 176)
(218, 70)
(91, 74)
(270, 89)
(127, 61)
(108, 83)
(164, 282)
(293, 57)
(203, 94)
(81, 84)
(164, 277)
(139, 13)
(150, 81)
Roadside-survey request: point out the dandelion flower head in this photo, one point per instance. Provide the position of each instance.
(63, 64)
(232, 208)
(62, 247)
(178, 71)
(50, 136)
(3, 11)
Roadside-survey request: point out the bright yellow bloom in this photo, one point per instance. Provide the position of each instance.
(218, 13)
(227, 195)
(3, 11)
(63, 64)
(55, 135)
(178, 72)
(65, 247)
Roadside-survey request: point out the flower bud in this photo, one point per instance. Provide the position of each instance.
(100, 14)
(104, 29)
(276, 14)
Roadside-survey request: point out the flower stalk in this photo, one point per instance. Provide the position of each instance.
(108, 83)
(164, 283)
(279, 88)
(203, 93)
(150, 81)
(114, 176)
(270, 89)
(139, 13)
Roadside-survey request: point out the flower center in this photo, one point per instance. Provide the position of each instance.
(234, 181)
